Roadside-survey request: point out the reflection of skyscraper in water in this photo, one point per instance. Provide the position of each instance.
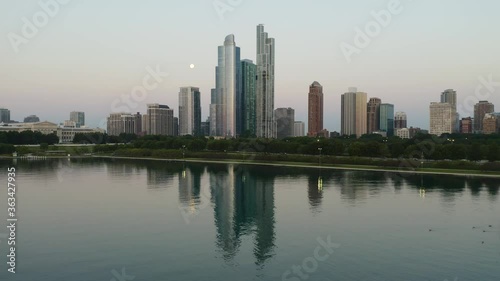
(189, 187)
(314, 193)
(244, 205)
(353, 188)
(158, 178)
(160, 175)
(222, 189)
(121, 170)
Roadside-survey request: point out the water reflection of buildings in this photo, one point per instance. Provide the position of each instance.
(357, 186)
(190, 187)
(161, 174)
(243, 201)
(315, 192)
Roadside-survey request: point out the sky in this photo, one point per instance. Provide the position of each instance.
(93, 56)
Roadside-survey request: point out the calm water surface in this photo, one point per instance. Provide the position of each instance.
(149, 220)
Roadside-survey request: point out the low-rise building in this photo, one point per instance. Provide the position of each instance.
(403, 133)
(65, 134)
(491, 123)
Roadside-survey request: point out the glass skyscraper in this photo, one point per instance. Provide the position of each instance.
(248, 92)
(265, 84)
(387, 118)
(227, 94)
(77, 117)
(4, 115)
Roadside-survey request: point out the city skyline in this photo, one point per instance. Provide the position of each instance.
(92, 85)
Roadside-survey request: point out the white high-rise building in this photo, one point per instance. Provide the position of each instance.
(354, 113)
(189, 111)
(265, 123)
(299, 129)
(442, 118)
(223, 110)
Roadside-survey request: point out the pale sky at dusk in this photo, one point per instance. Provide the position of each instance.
(92, 52)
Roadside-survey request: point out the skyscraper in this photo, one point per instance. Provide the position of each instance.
(400, 120)
(315, 109)
(189, 111)
(450, 96)
(442, 118)
(373, 115)
(215, 113)
(4, 115)
(480, 110)
(227, 95)
(265, 84)
(466, 126)
(205, 128)
(176, 126)
(354, 113)
(285, 122)
(387, 118)
(160, 120)
(299, 129)
(144, 124)
(78, 117)
(248, 95)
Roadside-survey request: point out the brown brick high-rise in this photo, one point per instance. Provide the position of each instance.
(373, 115)
(315, 112)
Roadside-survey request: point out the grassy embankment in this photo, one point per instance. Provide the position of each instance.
(363, 163)
(402, 165)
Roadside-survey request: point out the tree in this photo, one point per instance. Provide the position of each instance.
(397, 150)
(493, 152)
(356, 149)
(474, 152)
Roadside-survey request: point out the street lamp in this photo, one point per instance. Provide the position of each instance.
(183, 152)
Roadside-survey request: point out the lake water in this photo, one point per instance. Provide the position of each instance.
(129, 220)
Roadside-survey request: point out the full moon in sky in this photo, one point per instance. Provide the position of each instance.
(191, 66)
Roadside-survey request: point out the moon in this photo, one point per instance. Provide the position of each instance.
(191, 66)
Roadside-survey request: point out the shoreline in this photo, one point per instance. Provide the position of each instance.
(449, 172)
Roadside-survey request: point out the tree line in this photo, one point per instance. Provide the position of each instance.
(27, 138)
(473, 147)
(422, 146)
